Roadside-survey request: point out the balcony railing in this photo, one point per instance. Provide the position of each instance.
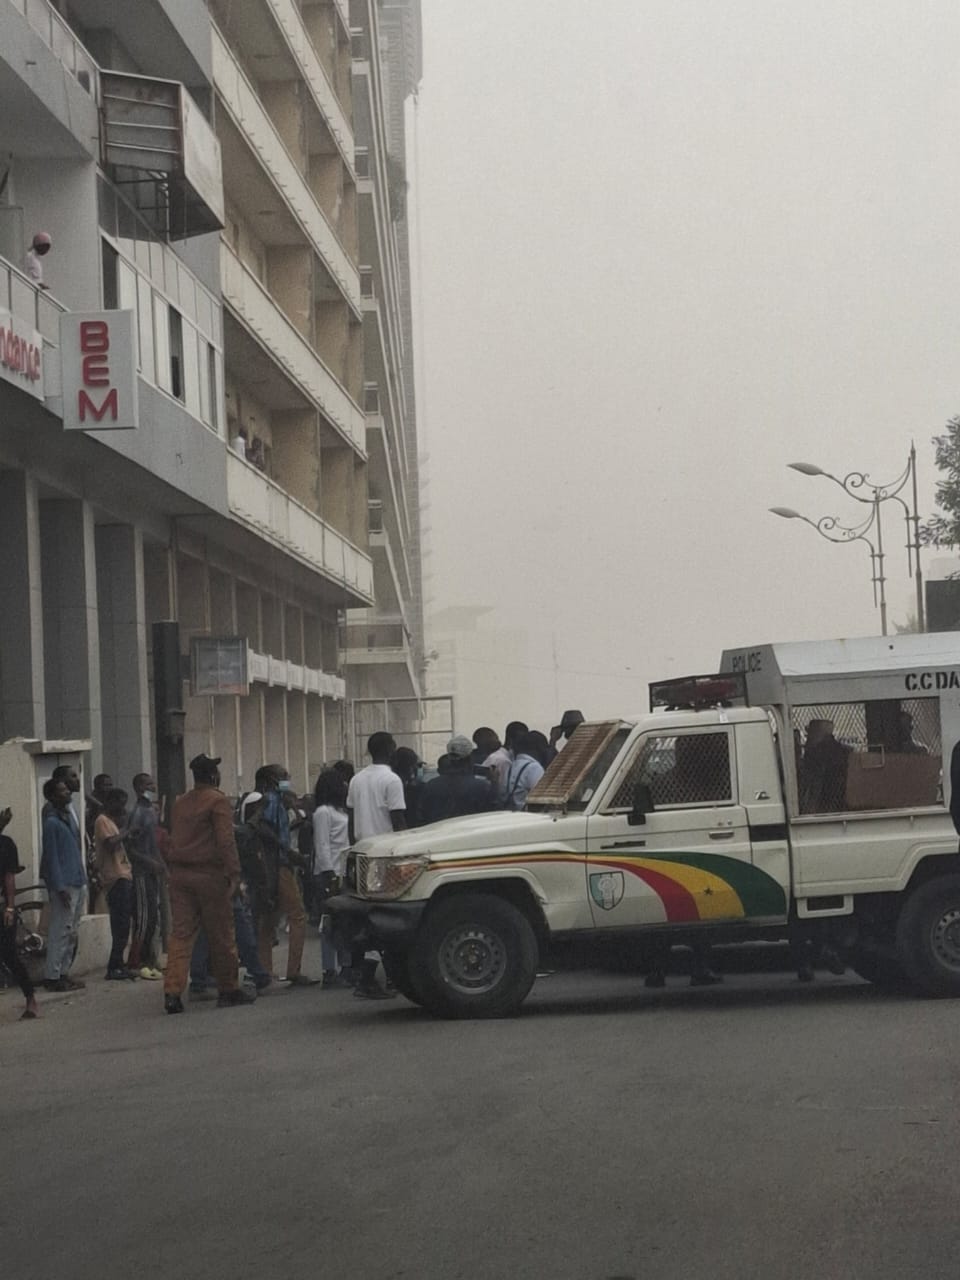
(250, 300)
(34, 306)
(288, 19)
(244, 104)
(277, 672)
(58, 37)
(260, 503)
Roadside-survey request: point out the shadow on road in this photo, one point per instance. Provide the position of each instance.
(585, 994)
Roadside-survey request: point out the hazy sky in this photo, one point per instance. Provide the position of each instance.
(669, 246)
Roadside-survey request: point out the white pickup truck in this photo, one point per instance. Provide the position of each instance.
(797, 793)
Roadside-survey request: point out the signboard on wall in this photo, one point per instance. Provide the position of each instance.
(218, 666)
(98, 356)
(21, 355)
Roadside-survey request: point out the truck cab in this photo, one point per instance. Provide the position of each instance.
(799, 792)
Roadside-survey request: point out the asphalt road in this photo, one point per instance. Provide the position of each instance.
(759, 1129)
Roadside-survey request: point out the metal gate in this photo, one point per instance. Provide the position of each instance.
(424, 724)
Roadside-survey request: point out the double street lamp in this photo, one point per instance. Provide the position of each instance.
(858, 486)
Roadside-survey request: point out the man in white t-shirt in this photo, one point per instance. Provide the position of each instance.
(375, 806)
(375, 800)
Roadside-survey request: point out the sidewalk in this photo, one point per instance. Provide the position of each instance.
(98, 988)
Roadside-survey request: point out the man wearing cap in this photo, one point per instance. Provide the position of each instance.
(39, 248)
(569, 722)
(458, 791)
(204, 876)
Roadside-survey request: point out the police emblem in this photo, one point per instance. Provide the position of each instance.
(606, 889)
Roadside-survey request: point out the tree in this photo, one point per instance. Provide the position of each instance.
(943, 528)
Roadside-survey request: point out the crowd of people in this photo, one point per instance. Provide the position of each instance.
(214, 884)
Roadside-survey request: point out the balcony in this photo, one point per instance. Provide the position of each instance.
(35, 307)
(287, 17)
(281, 674)
(265, 508)
(60, 40)
(251, 302)
(377, 651)
(161, 148)
(251, 118)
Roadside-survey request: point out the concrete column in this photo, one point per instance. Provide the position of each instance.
(124, 685)
(290, 281)
(284, 104)
(71, 648)
(21, 636)
(296, 456)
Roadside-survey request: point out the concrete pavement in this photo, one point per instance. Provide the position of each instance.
(757, 1129)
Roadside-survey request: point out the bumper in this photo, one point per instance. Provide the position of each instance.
(378, 924)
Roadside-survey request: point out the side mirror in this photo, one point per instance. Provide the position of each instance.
(642, 805)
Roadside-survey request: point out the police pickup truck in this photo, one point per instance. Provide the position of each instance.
(797, 792)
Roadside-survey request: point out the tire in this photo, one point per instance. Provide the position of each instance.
(928, 937)
(397, 967)
(880, 969)
(475, 957)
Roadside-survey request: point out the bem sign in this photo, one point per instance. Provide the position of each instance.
(21, 355)
(99, 371)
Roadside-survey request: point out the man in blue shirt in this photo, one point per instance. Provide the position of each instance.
(62, 870)
(523, 775)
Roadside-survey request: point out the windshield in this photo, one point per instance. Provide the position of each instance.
(575, 773)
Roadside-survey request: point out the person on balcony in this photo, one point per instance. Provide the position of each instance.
(39, 248)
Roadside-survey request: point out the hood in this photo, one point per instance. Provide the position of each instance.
(480, 832)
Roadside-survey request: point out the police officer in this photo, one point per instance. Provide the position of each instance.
(204, 876)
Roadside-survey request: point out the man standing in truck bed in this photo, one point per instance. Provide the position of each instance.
(204, 876)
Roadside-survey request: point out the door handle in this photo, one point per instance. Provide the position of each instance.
(726, 834)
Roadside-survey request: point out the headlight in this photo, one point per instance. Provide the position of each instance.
(387, 878)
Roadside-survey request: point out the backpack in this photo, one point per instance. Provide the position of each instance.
(250, 852)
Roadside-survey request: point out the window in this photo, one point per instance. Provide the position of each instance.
(680, 770)
(859, 756)
(213, 414)
(176, 353)
(111, 293)
(145, 328)
(161, 330)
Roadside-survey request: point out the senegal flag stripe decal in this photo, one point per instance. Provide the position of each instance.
(692, 886)
(759, 893)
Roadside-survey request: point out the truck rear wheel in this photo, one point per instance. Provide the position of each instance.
(928, 937)
(475, 957)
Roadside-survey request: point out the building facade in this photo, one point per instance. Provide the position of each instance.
(382, 646)
(197, 166)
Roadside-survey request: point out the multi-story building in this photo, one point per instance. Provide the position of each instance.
(196, 166)
(382, 645)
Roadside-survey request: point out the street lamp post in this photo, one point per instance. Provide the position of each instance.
(829, 527)
(858, 486)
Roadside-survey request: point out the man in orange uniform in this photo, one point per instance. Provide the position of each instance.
(204, 876)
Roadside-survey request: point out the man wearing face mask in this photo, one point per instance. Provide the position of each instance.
(148, 868)
(274, 826)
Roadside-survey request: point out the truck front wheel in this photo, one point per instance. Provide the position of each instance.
(928, 937)
(475, 957)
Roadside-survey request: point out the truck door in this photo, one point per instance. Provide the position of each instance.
(690, 860)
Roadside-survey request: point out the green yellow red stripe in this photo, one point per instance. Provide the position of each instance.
(691, 886)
